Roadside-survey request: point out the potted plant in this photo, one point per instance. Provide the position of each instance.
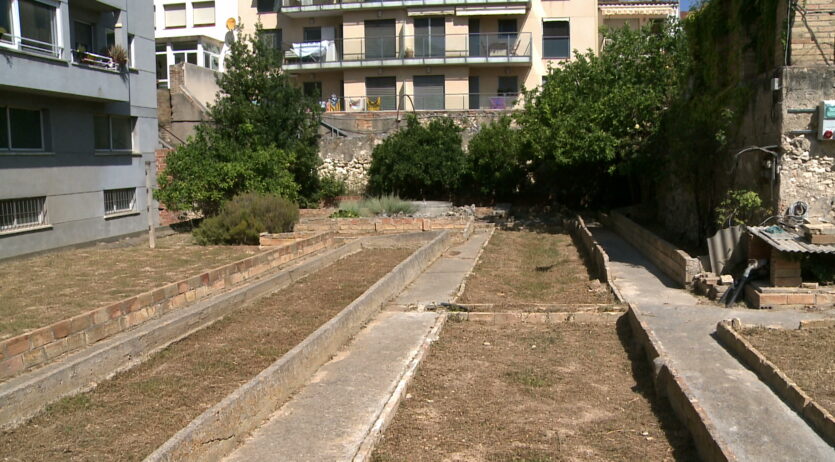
(410, 53)
(119, 55)
(80, 53)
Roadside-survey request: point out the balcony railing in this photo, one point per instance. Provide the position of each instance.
(93, 60)
(410, 49)
(421, 102)
(292, 6)
(31, 45)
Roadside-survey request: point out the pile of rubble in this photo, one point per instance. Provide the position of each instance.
(712, 286)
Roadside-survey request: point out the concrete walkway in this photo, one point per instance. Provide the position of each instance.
(751, 420)
(330, 417)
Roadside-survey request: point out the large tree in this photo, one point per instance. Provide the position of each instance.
(261, 136)
(594, 116)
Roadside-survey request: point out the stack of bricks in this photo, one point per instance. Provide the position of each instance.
(712, 286)
(785, 269)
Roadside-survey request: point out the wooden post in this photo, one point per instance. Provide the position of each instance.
(152, 242)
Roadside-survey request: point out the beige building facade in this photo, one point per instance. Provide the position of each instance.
(410, 55)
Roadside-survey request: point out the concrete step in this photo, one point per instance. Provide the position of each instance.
(329, 419)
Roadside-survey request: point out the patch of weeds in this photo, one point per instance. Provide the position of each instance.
(345, 213)
(152, 386)
(528, 377)
(70, 404)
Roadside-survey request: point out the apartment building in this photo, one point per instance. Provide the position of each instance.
(434, 54)
(191, 31)
(77, 126)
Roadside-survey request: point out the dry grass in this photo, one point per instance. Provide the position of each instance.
(519, 267)
(807, 356)
(40, 290)
(126, 418)
(533, 393)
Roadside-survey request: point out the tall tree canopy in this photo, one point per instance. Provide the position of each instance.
(261, 136)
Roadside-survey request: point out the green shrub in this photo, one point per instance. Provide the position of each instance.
(385, 205)
(494, 162)
(243, 218)
(740, 207)
(419, 161)
(329, 188)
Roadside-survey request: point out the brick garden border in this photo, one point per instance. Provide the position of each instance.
(594, 252)
(35, 348)
(382, 225)
(814, 414)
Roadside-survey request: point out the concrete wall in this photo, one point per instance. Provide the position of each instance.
(69, 172)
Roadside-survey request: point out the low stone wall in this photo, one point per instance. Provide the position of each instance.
(814, 414)
(675, 263)
(38, 347)
(216, 432)
(594, 252)
(761, 296)
(668, 383)
(381, 225)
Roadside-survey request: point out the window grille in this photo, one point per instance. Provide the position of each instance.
(25, 213)
(119, 200)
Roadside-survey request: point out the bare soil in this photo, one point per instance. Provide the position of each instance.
(41, 290)
(126, 418)
(533, 393)
(807, 356)
(527, 266)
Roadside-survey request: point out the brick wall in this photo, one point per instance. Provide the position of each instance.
(381, 225)
(813, 34)
(35, 348)
(166, 217)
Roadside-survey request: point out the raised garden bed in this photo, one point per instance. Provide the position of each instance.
(522, 392)
(128, 416)
(532, 267)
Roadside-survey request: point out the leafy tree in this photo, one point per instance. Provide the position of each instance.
(494, 160)
(596, 115)
(419, 161)
(261, 136)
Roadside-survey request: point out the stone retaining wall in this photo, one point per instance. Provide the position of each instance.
(38, 347)
(675, 263)
(381, 225)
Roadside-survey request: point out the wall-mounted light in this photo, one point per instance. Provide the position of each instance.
(379, 13)
(312, 21)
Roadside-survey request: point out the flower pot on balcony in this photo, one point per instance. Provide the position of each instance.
(410, 53)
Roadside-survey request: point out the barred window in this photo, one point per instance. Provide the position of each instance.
(19, 214)
(119, 200)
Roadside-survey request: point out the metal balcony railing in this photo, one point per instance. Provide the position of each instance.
(389, 101)
(31, 45)
(94, 60)
(356, 4)
(410, 49)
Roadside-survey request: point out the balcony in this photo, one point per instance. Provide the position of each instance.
(306, 8)
(410, 50)
(390, 101)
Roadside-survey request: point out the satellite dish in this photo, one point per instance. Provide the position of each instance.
(230, 24)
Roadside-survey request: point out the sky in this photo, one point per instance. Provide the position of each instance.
(686, 4)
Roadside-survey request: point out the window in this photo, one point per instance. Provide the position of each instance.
(131, 50)
(555, 39)
(185, 52)
(175, 15)
(429, 37)
(37, 26)
(21, 214)
(83, 36)
(22, 129)
(204, 13)
(118, 201)
(313, 89)
(380, 38)
(266, 6)
(112, 133)
(312, 34)
(381, 93)
(272, 37)
(429, 91)
(6, 18)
